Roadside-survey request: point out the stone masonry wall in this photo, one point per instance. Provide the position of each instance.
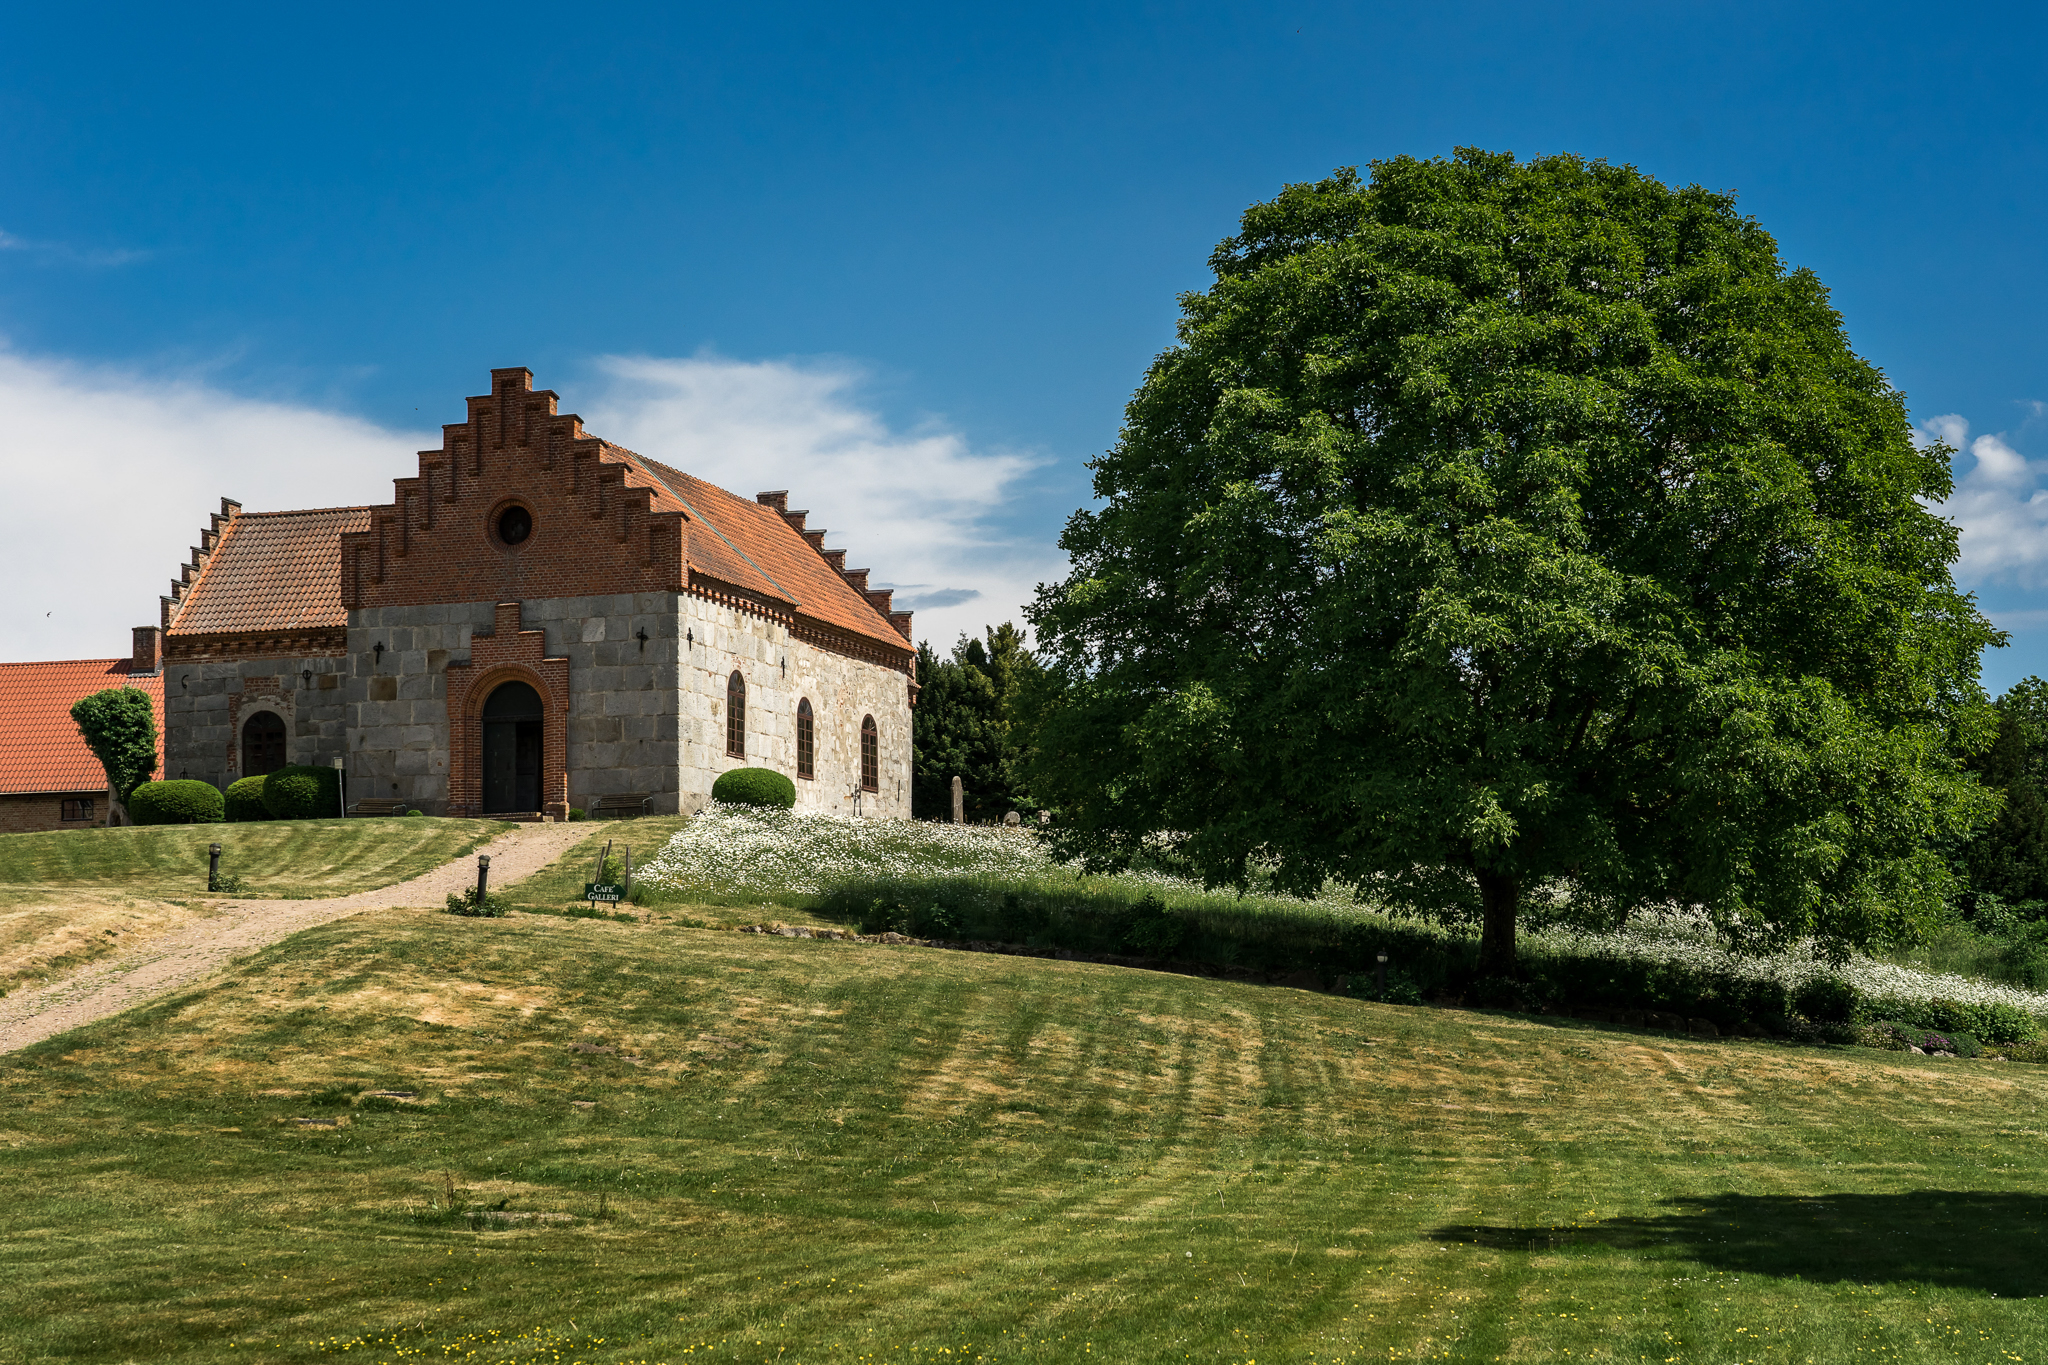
(719, 639)
(622, 694)
(206, 704)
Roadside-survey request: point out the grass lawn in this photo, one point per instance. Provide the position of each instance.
(281, 859)
(669, 1144)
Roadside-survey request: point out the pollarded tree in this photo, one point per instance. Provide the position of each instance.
(119, 726)
(1500, 526)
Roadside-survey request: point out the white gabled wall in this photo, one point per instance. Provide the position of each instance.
(841, 691)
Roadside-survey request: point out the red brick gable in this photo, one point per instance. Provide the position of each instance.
(604, 521)
(40, 747)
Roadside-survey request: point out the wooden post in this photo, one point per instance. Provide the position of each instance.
(959, 803)
(626, 888)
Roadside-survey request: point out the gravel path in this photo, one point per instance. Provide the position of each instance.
(193, 952)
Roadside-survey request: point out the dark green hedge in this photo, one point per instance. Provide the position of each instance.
(302, 792)
(178, 802)
(245, 800)
(754, 787)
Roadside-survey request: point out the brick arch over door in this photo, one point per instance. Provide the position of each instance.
(509, 655)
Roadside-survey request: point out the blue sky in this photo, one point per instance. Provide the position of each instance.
(908, 262)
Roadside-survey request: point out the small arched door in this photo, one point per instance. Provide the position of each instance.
(512, 747)
(262, 744)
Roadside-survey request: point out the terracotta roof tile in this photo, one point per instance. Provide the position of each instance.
(739, 541)
(272, 571)
(40, 747)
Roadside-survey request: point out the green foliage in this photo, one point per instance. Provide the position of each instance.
(466, 903)
(2008, 861)
(245, 800)
(302, 792)
(754, 787)
(974, 719)
(1495, 525)
(1893, 1036)
(119, 726)
(184, 802)
(415, 811)
(1994, 1023)
(577, 813)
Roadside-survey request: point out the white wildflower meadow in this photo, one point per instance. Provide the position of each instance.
(747, 850)
(741, 851)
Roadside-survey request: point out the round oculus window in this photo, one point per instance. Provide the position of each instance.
(515, 524)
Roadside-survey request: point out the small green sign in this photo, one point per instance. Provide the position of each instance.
(603, 891)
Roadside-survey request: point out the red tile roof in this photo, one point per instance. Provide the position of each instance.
(739, 541)
(272, 571)
(40, 747)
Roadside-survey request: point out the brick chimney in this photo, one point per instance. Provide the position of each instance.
(148, 655)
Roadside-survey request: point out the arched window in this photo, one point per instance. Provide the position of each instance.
(806, 741)
(736, 716)
(262, 744)
(870, 756)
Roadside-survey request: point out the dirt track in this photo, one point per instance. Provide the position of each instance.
(193, 952)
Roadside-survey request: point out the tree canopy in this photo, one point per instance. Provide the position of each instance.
(119, 726)
(2009, 860)
(1497, 527)
(971, 721)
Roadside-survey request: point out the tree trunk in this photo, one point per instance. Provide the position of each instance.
(1499, 899)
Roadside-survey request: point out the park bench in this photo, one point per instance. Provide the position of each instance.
(626, 803)
(378, 805)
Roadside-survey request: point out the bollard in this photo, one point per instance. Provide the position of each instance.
(1380, 977)
(213, 868)
(483, 877)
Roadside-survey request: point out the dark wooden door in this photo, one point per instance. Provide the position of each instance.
(512, 750)
(263, 744)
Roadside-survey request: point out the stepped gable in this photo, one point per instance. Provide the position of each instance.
(262, 582)
(603, 520)
(44, 751)
(598, 523)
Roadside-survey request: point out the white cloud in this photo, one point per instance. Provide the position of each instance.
(1997, 504)
(916, 506)
(108, 475)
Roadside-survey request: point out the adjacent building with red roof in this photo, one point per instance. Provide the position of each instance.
(48, 778)
(538, 619)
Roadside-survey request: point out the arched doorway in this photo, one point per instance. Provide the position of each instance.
(512, 746)
(263, 744)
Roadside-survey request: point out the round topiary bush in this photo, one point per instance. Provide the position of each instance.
(183, 802)
(301, 792)
(754, 787)
(245, 801)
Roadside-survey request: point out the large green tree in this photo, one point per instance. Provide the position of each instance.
(1498, 528)
(119, 726)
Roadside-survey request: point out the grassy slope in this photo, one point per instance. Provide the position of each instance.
(836, 1152)
(281, 859)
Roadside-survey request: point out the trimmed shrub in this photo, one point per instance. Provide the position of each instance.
(415, 812)
(754, 787)
(302, 792)
(178, 802)
(245, 801)
(576, 813)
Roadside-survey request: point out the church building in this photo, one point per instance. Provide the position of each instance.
(538, 620)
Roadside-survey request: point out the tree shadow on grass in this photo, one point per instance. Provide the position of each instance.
(1996, 1243)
